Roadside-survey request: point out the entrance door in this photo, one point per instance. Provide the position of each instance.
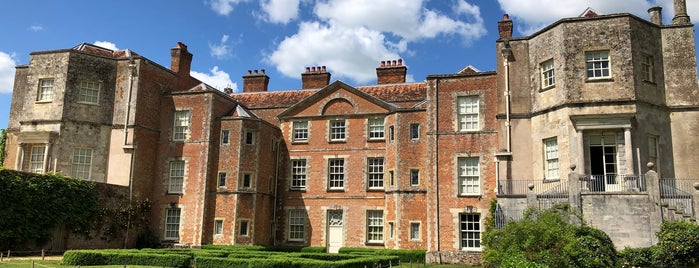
(335, 237)
(603, 162)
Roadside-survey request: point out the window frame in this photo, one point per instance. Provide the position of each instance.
(375, 173)
(299, 179)
(375, 226)
(414, 131)
(88, 94)
(468, 113)
(225, 137)
(45, 93)
(297, 218)
(81, 161)
(218, 227)
(337, 133)
(647, 67)
(244, 232)
(36, 158)
(391, 133)
(466, 178)
(654, 150)
(222, 179)
(551, 159)
(391, 178)
(172, 226)
(246, 179)
(548, 74)
(181, 125)
(595, 62)
(376, 128)
(413, 236)
(300, 133)
(176, 176)
(414, 177)
(336, 174)
(249, 137)
(464, 219)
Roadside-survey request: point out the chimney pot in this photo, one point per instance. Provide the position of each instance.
(400, 62)
(249, 71)
(395, 63)
(263, 71)
(505, 17)
(656, 15)
(505, 27)
(383, 63)
(308, 69)
(256, 71)
(324, 70)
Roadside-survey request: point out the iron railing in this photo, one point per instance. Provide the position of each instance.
(521, 187)
(506, 215)
(676, 194)
(613, 183)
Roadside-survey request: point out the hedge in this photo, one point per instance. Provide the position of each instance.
(213, 262)
(113, 257)
(294, 262)
(265, 248)
(405, 255)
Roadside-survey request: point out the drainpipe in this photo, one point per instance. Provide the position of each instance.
(506, 54)
(132, 73)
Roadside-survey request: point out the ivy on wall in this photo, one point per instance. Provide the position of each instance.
(3, 140)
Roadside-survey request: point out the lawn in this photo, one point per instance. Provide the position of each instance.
(56, 264)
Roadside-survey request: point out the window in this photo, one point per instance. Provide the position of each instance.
(180, 125)
(82, 161)
(548, 77)
(469, 176)
(176, 177)
(391, 178)
(414, 231)
(89, 92)
(551, 154)
(337, 130)
(414, 177)
(376, 129)
(222, 179)
(36, 160)
(375, 173)
(653, 150)
(249, 138)
(470, 231)
(414, 131)
(244, 228)
(374, 226)
(391, 230)
(45, 90)
(300, 131)
(218, 227)
(336, 173)
(225, 136)
(468, 113)
(172, 224)
(391, 134)
(297, 222)
(647, 68)
(298, 173)
(597, 64)
(247, 180)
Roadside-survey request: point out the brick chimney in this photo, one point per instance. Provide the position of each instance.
(656, 15)
(181, 59)
(255, 81)
(315, 77)
(391, 72)
(681, 16)
(505, 27)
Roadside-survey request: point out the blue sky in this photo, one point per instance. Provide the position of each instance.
(229, 37)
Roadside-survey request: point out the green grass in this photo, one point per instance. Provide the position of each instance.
(57, 264)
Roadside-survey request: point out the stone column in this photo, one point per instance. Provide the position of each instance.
(581, 152)
(46, 157)
(20, 157)
(532, 202)
(574, 189)
(653, 189)
(628, 151)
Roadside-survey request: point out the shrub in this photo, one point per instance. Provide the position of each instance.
(212, 262)
(123, 257)
(405, 255)
(636, 257)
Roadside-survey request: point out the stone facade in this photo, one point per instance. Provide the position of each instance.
(393, 165)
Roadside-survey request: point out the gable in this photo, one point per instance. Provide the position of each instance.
(337, 99)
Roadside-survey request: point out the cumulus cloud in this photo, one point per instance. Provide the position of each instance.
(216, 78)
(280, 11)
(352, 36)
(224, 7)
(7, 72)
(529, 17)
(106, 44)
(220, 50)
(36, 28)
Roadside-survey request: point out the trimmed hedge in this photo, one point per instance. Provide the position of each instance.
(114, 257)
(212, 262)
(294, 262)
(405, 255)
(265, 248)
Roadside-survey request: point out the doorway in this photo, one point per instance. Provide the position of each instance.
(335, 231)
(603, 162)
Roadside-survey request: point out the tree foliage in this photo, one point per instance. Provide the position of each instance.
(547, 238)
(3, 141)
(678, 246)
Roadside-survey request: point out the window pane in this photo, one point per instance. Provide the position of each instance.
(172, 224)
(375, 225)
(468, 113)
(470, 231)
(336, 173)
(82, 161)
(298, 174)
(297, 221)
(180, 129)
(36, 161)
(469, 176)
(337, 130)
(376, 128)
(300, 130)
(176, 177)
(89, 92)
(375, 173)
(45, 90)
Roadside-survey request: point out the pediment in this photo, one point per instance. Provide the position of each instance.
(337, 98)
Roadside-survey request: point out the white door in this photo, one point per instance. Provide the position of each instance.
(603, 161)
(335, 238)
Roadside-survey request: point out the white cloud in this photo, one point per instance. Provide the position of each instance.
(224, 7)
(529, 17)
(36, 28)
(216, 78)
(7, 72)
(351, 37)
(221, 50)
(280, 11)
(106, 44)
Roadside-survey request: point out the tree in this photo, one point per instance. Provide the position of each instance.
(548, 238)
(3, 140)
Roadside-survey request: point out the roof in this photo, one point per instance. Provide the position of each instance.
(104, 52)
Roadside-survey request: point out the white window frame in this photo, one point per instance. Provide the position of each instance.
(244, 228)
(469, 178)
(391, 133)
(176, 176)
(218, 227)
(299, 173)
(173, 216)
(377, 128)
(297, 225)
(181, 124)
(375, 171)
(222, 179)
(551, 159)
(374, 226)
(225, 136)
(45, 93)
(413, 235)
(250, 178)
(647, 68)
(468, 113)
(474, 228)
(338, 130)
(598, 64)
(391, 230)
(82, 163)
(300, 131)
(548, 75)
(336, 174)
(36, 159)
(89, 92)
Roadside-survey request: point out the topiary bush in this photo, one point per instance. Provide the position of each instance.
(124, 257)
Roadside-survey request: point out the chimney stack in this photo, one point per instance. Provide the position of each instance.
(181, 60)
(391, 72)
(315, 77)
(505, 27)
(255, 81)
(656, 15)
(681, 16)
